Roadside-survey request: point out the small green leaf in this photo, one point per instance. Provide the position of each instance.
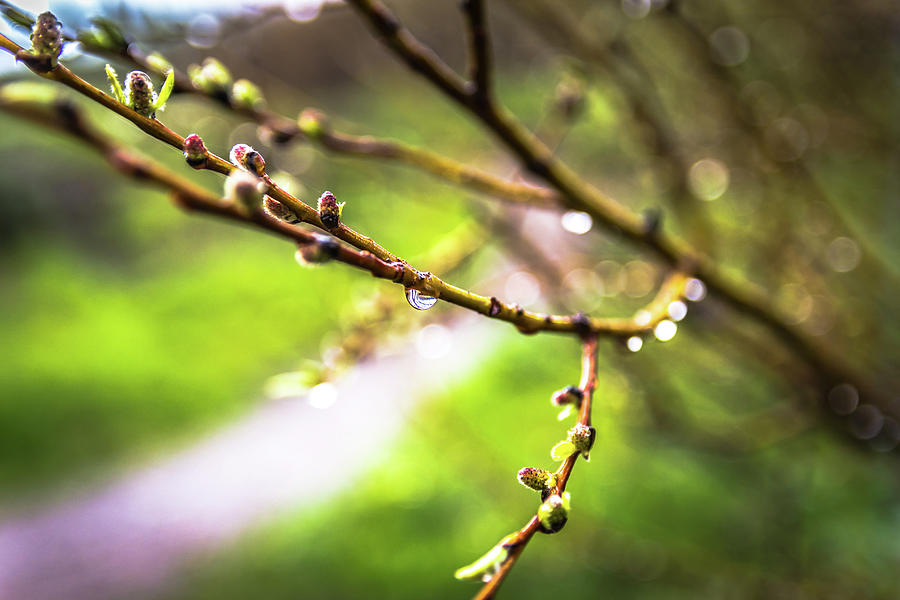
(16, 17)
(114, 84)
(164, 92)
(487, 566)
(562, 451)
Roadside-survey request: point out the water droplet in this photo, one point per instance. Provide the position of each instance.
(634, 343)
(665, 330)
(677, 310)
(418, 300)
(695, 290)
(577, 222)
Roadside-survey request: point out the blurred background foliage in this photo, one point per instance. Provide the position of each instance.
(765, 132)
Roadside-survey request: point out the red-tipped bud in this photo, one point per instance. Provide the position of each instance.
(247, 158)
(330, 210)
(568, 395)
(195, 152)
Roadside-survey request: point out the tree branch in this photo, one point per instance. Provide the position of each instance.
(315, 127)
(524, 535)
(479, 56)
(65, 117)
(579, 195)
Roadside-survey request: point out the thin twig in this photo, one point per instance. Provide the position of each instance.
(577, 194)
(524, 535)
(66, 118)
(479, 57)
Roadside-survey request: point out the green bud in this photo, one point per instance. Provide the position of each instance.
(536, 479)
(46, 37)
(245, 190)
(554, 512)
(212, 77)
(246, 94)
(487, 566)
(312, 123)
(582, 438)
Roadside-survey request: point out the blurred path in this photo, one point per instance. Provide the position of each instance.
(131, 536)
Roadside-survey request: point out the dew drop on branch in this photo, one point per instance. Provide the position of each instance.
(418, 300)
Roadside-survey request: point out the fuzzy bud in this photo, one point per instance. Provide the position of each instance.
(582, 438)
(195, 152)
(276, 209)
(246, 94)
(212, 77)
(139, 93)
(554, 512)
(330, 210)
(247, 158)
(487, 566)
(245, 190)
(46, 37)
(536, 479)
(321, 250)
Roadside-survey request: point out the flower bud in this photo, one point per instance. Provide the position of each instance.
(195, 152)
(139, 93)
(212, 77)
(46, 36)
(247, 158)
(245, 190)
(487, 566)
(554, 512)
(321, 250)
(568, 395)
(278, 210)
(246, 94)
(582, 438)
(330, 210)
(536, 479)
